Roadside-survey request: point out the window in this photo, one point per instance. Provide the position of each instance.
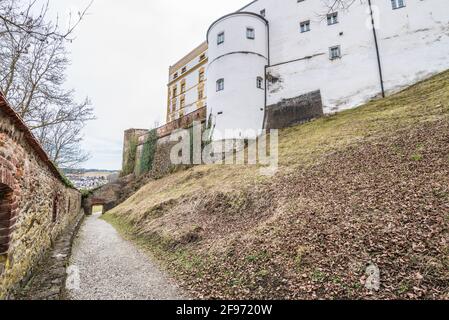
(332, 18)
(175, 75)
(305, 26)
(335, 52)
(6, 199)
(175, 91)
(183, 87)
(397, 4)
(259, 82)
(201, 75)
(182, 102)
(184, 70)
(220, 84)
(220, 38)
(263, 13)
(200, 94)
(250, 33)
(202, 57)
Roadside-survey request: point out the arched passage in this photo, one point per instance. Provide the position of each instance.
(6, 217)
(98, 206)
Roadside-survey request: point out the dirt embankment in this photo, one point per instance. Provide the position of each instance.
(366, 187)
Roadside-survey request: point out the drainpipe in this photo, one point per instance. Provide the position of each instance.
(379, 64)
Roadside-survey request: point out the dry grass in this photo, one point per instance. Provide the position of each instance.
(228, 232)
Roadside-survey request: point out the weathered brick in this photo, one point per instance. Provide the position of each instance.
(28, 186)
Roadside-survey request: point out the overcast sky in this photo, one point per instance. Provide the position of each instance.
(120, 59)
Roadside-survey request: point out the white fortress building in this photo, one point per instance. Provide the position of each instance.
(275, 63)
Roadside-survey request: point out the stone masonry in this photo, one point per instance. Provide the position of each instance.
(290, 112)
(36, 204)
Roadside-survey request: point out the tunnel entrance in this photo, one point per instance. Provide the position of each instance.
(6, 202)
(97, 209)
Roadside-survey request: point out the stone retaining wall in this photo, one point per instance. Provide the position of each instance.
(36, 205)
(290, 112)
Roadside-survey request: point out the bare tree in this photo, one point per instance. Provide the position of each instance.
(33, 63)
(20, 18)
(335, 5)
(64, 143)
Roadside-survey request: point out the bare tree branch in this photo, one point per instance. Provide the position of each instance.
(37, 26)
(33, 64)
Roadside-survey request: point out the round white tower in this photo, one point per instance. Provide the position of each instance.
(238, 53)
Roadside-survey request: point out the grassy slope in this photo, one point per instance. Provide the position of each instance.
(369, 185)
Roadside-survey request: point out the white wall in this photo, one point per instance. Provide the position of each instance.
(413, 41)
(239, 61)
(413, 45)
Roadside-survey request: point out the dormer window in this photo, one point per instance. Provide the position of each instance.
(175, 75)
(184, 70)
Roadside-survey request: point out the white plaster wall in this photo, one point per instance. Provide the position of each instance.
(239, 61)
(234, 27)
(240, 106)
(344, 82)
(413, 41)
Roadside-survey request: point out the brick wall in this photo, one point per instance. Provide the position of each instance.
(35, 203)
(293, 111)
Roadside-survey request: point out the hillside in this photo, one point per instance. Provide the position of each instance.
(365, 186)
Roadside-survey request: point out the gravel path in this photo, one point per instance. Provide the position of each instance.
(111, 268)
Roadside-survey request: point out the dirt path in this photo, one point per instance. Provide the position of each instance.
(104, 266)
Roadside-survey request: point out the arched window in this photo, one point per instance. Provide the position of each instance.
(5, 218)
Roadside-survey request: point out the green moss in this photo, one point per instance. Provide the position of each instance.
(130, 157)
(148, 152)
